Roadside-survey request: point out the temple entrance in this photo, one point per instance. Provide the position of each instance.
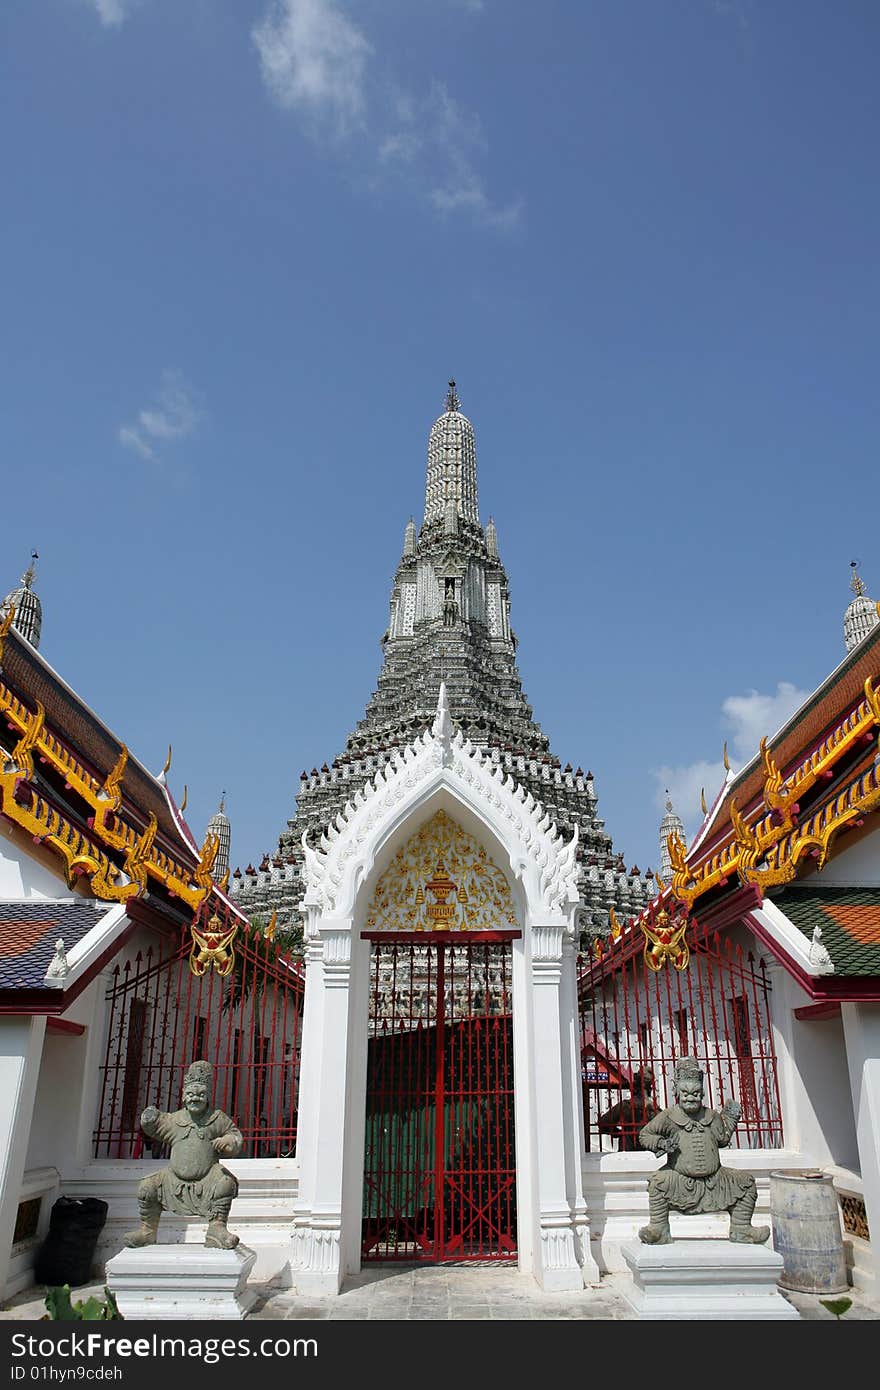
(439, 1163)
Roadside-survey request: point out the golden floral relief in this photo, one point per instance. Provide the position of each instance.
(441, 880)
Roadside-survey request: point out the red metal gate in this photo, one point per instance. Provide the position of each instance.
(162, 1017)
(439, 1166)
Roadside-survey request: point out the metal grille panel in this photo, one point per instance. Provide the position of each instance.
(635, 1021)
(439, 1171)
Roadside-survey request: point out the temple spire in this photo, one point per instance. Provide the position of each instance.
(671, 824)
(28, 620)
(452, 465)
(220, 826)
(861, 616)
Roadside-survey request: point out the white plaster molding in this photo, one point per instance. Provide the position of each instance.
(783, 931)
(441, 758)
(336, 956)
(315, 1265)
(548, 944)
(560, 1269)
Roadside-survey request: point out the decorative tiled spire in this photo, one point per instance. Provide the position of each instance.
(671, 824)
(861, 616)
(449, 623)
(220, 826)
(28, 620)
(452, 464)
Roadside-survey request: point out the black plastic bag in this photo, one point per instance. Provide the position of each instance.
(68, 1251)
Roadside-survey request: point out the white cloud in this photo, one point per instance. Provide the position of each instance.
(683, 786)
(750, 717)
(316, 61)
(453, 139)
(313, 57)
(175, 414)
(747, 719)
(112, 13)
(464, 189)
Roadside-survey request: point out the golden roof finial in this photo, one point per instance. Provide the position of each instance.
(857, 583)
(725, 758)
(703, 806)
(167, 763)
(183, 798)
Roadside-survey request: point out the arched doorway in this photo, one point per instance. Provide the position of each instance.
(439, 1152)
(359, 883)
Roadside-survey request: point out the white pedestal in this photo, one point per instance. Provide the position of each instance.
(692, 1279)
(182, 1281)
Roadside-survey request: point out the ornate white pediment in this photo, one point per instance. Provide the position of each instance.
(443, 758)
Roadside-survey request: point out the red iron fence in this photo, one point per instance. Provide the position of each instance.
(636, 1023)
(162, 1017)
(440, 1172)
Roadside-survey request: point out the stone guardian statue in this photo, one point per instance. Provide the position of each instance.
(693, 1180)
(195, 1183)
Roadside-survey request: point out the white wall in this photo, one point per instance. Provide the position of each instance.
(857, 865)
(861, 1023)
(22, 876)
(21, 1042)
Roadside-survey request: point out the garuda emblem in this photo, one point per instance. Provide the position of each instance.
(212, 947)
(664, 941)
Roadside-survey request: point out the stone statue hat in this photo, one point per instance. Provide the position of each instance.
(687, 1069)
(199, 1071)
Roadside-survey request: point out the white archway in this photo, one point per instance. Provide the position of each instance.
(441, 770)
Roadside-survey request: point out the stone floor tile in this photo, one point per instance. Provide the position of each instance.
(304, 1312)
(432, 1311)
(470, 1311)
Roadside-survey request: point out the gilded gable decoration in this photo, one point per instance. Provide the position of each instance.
(441, 880)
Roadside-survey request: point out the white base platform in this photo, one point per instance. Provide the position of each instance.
(182, 1281)
(693, 1279)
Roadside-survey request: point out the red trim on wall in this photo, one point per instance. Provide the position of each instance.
(810, 1013)
(64, 1025)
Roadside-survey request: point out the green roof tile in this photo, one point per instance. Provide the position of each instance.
(850, 922)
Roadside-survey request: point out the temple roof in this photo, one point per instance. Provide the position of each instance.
(29, 931)
(802, 735)
(70, 784)
(849, 919)
(78, 724)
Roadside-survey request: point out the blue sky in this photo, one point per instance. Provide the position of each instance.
(246, 243)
